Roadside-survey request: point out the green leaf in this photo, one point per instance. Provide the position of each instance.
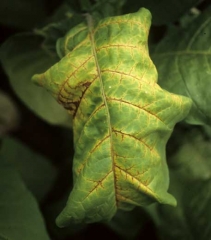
(21, 13)
(60, 23)
(121, 118)
(163, 11)
(51, 212)
(187, 18)
(20, 217)
(183, 60)
(198, 209)
(36, 171)
(193, 157)
(22, 56)
(191, 218)
(190, 173)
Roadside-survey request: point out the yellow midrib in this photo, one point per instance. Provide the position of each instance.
(90, 27)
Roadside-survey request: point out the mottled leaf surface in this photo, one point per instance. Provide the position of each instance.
(183, 60)
(121, 118)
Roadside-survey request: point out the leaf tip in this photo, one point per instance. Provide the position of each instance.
(36, 79)
(170, 200)
(61, 222)
(65, 218)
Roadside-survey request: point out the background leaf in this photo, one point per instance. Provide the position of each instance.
(187, 18)
(22, 56)
(105, 8)
(183, 60)
(190, 174)
(52, 210)
(190, 220)
(106, 72)
(20, 217)
(36, 171)
(59, 24)
(163, 11)
(192, 156)
(9, 114)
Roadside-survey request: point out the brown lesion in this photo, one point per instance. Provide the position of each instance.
(66, 81)
(68, 102)
(86, 84)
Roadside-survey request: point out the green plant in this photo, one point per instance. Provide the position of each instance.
(115, 112)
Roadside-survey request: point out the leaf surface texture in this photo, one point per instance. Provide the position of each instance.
(121, 118)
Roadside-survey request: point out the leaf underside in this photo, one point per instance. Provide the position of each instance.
(121, 118)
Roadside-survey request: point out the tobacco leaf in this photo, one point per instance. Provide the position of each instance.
(183, 61)
(121, 118)
(21, 57)
(190, 219)
(20, 216)
(33, 168)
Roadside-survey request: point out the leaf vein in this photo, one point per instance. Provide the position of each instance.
(140, 184)
(92, 40)
(197, 33)
(131, 22)
(90, 153)
(66, 81)
(139, 107)
(99, 183)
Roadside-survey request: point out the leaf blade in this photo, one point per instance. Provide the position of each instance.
(20, 217)
(190, 174)
(33, 168)
(107, 82)
(183, 63)
(22, 56)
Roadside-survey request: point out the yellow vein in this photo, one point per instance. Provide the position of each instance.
(90, 27)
